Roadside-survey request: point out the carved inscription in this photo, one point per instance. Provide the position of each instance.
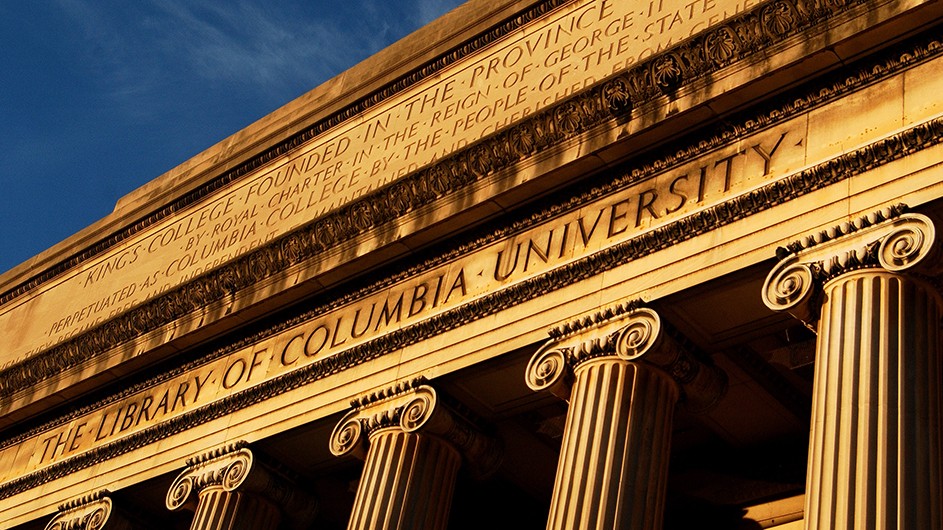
(568, 50)
(568, 237)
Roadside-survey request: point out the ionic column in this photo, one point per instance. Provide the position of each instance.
(622, 375)
(91, 512)
(412, 445)
(235, 491)
(875, 446)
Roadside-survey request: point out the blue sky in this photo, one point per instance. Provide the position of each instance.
(98, 97)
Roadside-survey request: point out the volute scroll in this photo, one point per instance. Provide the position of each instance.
(95, 511)
(236, 468)
(893, 239)
(790, 287)
(911, 244)
(549, 370)
(348, 437)
(630, 333)
(415, 407)
(640, 335)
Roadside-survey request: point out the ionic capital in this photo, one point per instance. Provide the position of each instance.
(891, 239)
(415, 407)
(236, 468)
(90, 512)
(630, 333)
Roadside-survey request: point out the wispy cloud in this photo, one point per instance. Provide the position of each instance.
(244, 43)
(104, 95)
(429, 10)
(143, 49)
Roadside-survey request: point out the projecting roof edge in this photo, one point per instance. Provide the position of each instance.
(604, 102)
(777, 192)
(417, 56)
(827, 172)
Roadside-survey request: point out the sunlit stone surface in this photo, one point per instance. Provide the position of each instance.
(705, 233)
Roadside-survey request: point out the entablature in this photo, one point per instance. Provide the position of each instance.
(612, 234)
(691, 195)
(252, 239)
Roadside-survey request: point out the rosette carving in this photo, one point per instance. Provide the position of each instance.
(569, 117)
(481, 159)
(615, 94)
(779, 18)
(439, 181)
(521, 141)
(667, 73)
(891, 239)
(721, 45)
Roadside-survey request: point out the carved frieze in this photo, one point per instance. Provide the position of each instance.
(757, 200)
(612, 99)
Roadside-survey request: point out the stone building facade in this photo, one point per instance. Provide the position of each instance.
(543, 263)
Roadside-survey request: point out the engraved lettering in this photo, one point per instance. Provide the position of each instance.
(768, 156)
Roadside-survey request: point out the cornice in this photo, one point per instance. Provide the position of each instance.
(417, 75)
(763, 198)
(829, 172)
(789, 188)
(749, 34)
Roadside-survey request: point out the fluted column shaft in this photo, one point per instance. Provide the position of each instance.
(412, 445)
(407, 482)
(218, 509)
(875, 449)
(613, 463)
(623, 374)
(868, 288)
